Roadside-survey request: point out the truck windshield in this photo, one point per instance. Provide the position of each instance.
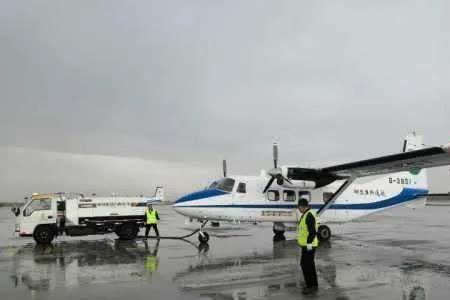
(225, 184)
(34, 205)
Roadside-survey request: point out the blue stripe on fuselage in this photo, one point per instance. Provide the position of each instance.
(407, 194)
(207, 193)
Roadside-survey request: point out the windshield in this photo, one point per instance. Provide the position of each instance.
(34, 205)
(224, 184)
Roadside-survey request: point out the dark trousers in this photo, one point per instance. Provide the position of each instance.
(309, 267)
(147, 229)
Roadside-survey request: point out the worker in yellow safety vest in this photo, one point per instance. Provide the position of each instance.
(308, 241)
(151, 218)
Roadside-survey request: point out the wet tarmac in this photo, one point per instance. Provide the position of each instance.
(400, 254)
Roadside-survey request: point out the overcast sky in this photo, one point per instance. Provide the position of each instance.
(119, 96)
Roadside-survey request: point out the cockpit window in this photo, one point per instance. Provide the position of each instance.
(213, 185)
(225, 184)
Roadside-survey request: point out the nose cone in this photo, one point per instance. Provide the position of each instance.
(193, 204)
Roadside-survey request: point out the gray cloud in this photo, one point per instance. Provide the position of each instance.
(186, 83)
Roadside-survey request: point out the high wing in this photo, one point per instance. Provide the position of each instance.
(412, 161)
(406, 161)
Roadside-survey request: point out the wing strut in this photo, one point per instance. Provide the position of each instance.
(333, 198)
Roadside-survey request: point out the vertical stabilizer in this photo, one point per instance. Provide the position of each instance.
(159, 193)
(414, 141)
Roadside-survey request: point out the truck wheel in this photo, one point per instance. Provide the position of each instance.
(43, 235)
(127, 231)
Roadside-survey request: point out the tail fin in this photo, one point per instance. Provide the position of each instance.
(412, 142)
(159, 193)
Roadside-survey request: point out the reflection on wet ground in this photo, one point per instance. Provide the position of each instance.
(366, 260)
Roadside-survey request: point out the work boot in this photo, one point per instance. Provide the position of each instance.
(310, 290)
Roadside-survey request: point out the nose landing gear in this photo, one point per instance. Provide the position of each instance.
(203, 236)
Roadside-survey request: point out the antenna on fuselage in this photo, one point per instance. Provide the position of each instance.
(224, 167)
(275, 155)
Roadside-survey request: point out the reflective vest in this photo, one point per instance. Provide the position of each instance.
(302, 230)
(151, 217)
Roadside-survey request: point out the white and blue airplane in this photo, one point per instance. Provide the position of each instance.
(348, 191)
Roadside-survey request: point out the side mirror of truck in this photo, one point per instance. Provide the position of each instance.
(15, 211)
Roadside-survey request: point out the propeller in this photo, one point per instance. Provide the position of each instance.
(224, 167)
(275, 173)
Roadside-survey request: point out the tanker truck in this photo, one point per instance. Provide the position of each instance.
(46, 216)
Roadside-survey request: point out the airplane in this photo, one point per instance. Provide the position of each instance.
(350, 191)
(158, 197)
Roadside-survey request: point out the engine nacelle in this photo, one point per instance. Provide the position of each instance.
(304, 184)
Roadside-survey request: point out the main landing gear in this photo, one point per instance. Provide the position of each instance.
(203, 236)
(323, 232)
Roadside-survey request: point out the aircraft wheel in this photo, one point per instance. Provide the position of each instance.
(279, 237)
(203, 237)
(278, 228)
(43, 234)
(323, 233)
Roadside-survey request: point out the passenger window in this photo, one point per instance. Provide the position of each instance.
(288, 195)
(241, 188)
(304, 194)
(273, 195)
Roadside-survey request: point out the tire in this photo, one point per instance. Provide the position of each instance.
(323, 233)
(127, 231)
(279, 237)
(203, 237)
(43, 235)
(278, 228)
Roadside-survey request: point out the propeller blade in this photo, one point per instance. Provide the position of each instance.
(275, 154)
(224, 168)
(272, 178)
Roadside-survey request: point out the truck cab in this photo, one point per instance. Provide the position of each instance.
(38, 217)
